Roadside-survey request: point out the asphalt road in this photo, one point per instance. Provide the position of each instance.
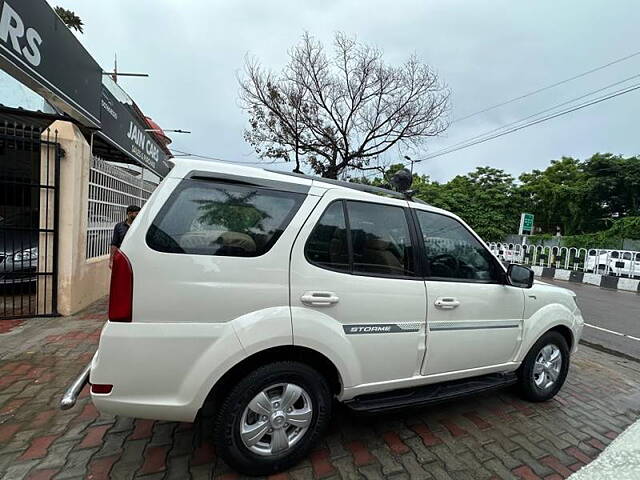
(608, 311)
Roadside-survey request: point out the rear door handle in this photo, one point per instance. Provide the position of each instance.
(446, 303)
(319, 299)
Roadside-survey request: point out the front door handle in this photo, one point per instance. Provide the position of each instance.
(446, 303)
(319, 299)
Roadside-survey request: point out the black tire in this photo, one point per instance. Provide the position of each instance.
(529, 389)
(230, 415)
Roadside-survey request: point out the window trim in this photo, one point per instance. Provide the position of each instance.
(412, 235)
(425, 273)
(324, 267)
(264, 183)
(194, 180)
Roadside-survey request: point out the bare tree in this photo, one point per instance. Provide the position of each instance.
(340, 112)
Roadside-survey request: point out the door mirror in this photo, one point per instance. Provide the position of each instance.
(520, 276)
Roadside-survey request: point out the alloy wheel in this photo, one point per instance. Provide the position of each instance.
(276, 419)
(547, 367)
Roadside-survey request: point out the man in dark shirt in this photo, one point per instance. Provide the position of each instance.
(121, 229)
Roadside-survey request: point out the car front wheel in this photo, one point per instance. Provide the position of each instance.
(545, 368)
(272, 418)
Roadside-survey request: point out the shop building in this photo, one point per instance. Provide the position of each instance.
(75, 150)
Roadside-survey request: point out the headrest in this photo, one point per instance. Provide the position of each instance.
(239, 240)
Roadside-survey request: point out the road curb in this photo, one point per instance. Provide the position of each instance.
(609, 351)
(610, 282)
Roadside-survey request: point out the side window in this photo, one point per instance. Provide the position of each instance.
(209, 218)
(380, 239)
(452, 252)
(327, 245)
(373, 239)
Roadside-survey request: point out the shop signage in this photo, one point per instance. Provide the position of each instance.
(38, 49)
(124, 129)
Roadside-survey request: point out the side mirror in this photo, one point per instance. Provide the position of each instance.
(520, 276)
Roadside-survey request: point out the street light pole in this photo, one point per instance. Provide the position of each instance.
(176, 130)
(406, 157)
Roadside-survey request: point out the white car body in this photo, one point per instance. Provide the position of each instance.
(195, 317)
(614, 262)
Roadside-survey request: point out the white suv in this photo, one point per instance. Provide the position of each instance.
(249, 300)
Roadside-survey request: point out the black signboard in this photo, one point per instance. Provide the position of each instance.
(124, 129)
(40, 51)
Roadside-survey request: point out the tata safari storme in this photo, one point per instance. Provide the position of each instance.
(251, 300)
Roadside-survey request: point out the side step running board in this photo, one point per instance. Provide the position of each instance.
(430, 394)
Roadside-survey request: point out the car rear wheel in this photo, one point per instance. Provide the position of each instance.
(545, 368)
(272, 418)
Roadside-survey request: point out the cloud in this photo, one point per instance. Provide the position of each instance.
(485, 51)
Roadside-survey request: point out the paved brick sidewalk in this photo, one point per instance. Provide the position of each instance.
(484, 437)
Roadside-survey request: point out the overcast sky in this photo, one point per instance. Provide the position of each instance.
(486, 52)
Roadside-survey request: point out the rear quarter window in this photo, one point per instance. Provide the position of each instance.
(203, 217)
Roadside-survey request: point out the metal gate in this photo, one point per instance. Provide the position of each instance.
(29, 179)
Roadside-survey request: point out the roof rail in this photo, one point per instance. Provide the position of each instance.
(354, 186)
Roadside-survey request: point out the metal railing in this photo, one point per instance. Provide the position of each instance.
(621, 263)
(111, 190)
(29, 210)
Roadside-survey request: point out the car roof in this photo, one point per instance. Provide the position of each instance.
(184, 166)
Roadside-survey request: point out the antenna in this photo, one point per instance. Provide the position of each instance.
(115, 74)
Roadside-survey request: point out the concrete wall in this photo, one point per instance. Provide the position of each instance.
(80, 281)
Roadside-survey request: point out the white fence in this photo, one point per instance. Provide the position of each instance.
(111, 190)
(621, 263)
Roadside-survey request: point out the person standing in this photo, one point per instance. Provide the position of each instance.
(121, 229)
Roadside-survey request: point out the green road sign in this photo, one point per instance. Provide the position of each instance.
(526, 224)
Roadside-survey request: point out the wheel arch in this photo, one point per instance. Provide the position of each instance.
(301, 354)
(565, 332)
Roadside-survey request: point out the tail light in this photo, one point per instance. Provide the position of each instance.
(101, 388)
(121, 291)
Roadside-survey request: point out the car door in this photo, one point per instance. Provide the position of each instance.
(355, 291)
(474, 318)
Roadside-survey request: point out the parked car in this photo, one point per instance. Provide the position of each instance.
(613, 262)
(508, 253)
(18, 249)
(248, 300)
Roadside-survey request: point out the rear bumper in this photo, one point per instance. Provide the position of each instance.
(161, 371)
(71, 395)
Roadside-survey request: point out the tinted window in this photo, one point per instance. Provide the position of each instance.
(207, 218)
(380, 239)
(327, 245)
(452, 252)
(615, 255)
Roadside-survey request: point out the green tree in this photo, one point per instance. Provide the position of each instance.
(486, 198)
(580, 197)
(614, 184)
(70, 19)
(558, 197)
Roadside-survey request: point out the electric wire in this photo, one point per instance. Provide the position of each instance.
(548, 87)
